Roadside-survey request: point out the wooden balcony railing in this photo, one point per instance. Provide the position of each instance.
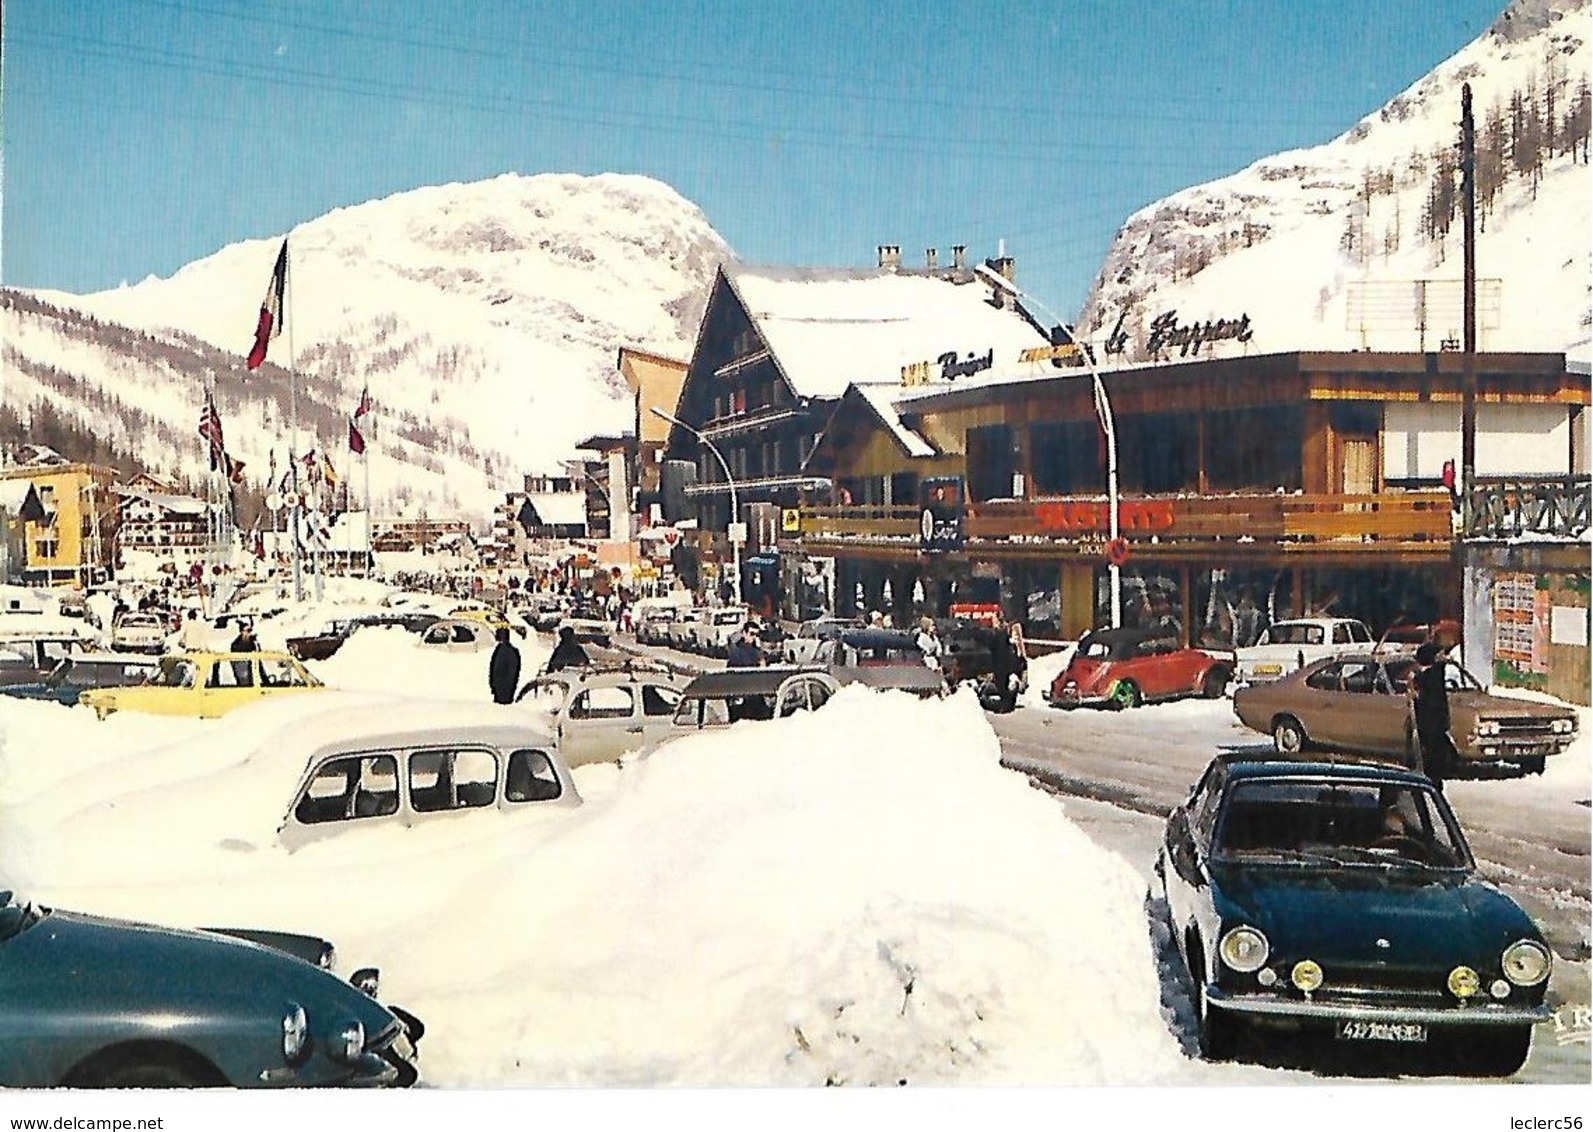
(1417, 516)
(1506, 509)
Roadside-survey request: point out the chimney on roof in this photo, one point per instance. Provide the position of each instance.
(931, 258)
(959, 256)
(1004, 265)
(890, 255)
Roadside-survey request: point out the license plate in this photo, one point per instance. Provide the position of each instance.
(1269, 669)
(1358, 1031)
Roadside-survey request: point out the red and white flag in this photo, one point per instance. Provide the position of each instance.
(356, 436)
(270, 324)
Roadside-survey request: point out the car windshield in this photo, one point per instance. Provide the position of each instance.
(175, 673)
(1342, 822)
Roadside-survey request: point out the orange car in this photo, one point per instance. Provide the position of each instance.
(1124, 668)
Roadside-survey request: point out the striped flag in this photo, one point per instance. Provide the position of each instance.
(356, 436)
(210, 429)
(270, 324)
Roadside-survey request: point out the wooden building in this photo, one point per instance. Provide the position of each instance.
(1250, 487)
(73, 539)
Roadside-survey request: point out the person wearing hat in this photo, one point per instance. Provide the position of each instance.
(1436, 754)
(503, 672)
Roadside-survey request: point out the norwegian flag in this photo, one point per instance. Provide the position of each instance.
(270, 324)
(210, 430)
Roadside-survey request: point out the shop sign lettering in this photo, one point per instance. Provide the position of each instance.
(1165, 333)
(1133, 515)
(950, 367)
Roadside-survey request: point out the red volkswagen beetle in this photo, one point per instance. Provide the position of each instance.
(1123, 668)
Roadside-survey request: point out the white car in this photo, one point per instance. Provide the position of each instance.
(1287, 645)
(140, 632)
(804, 647)
(599, 714)
(718, 628)
(681, 633)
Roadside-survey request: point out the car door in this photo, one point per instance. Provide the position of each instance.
(658, 702)
(600, 724)
(1321, 701)
(230, 682)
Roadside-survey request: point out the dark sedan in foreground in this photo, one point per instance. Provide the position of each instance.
(76, 674)
(1341, 900)
(101, 1003)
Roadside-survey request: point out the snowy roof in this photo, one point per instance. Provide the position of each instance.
(559, 508)
(13, 494)
(830, 328)
(883, 400)
(180, 504)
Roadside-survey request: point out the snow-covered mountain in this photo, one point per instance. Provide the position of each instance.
(1357, 243)
(484, 319)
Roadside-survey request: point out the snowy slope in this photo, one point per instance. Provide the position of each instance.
(485, 318)
(1321, 247)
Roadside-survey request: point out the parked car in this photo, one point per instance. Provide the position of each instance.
(652, 624)
(322, 645)
(717, 629)
(717, 699)
(868, 647)
(589, 623)
(78, 673)
(600, 713)
(207, 684)
(140, 632)
(682, 631)
(29, 659)
(407, 764)
(100, 1003)
(1287, 645)
(458, 634)
(1124, 668)
(488, 617)
(968, 653)
(1359, 703)
(803, 648)
(1410, 636)
(1342, 900)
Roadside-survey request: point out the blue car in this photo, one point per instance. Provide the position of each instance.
(100, 1003)
(73, 675)
(1340, 900)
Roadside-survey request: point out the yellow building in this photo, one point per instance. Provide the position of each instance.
(75, 539)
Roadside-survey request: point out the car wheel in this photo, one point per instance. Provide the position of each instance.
(1288, 737)
(1215, 682)
(1219, 1030)
(1493, 1052)
(147, 1070)
(1126, 694)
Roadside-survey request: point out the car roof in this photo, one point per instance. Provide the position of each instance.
(747, 681)
(876, 638)
(902, 677)
(1243, 766)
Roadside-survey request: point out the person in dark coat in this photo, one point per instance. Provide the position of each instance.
(568, 653)
(1430, 701)
(503, 674)
(744, 651)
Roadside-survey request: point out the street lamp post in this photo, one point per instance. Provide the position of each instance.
(736, 530)
(1103, 410)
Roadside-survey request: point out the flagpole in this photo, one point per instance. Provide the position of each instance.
(293, 443)
(370, 553)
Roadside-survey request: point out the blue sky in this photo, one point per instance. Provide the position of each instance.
(143, 134)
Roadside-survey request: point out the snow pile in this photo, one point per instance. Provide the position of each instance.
(860, 896)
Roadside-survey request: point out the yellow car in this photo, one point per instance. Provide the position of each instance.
(489, 617)
(206, 684)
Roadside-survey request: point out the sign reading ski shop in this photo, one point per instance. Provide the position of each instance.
(940, 521)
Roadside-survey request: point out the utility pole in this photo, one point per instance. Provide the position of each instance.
(1468, 379)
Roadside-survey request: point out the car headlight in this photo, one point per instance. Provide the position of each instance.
(1464, 983)
(1488, 727)
(1307, 975)
(1526, 962)
(1563, 726)
(1244, 949)
(295, 1033)
(350, 1043)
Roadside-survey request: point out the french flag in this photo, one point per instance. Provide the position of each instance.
(270, 310)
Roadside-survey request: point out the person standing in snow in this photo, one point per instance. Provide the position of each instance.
(928, 641)
(503, 672)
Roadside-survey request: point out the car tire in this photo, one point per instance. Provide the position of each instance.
(1215, 682)
(1218, 1032)
(147, 1069)
(1126, 694)
(1288, 736)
